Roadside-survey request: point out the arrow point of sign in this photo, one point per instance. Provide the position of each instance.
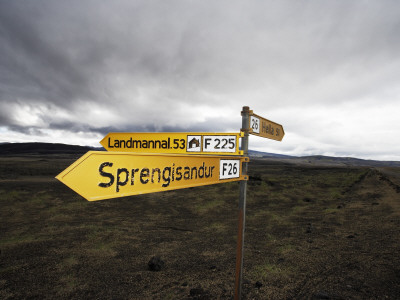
(64, 175)
(103, 141)
(76, 190)
(283, 134)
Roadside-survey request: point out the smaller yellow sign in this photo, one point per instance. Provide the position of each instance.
(265, 128)
(173, 142)
(101, 175)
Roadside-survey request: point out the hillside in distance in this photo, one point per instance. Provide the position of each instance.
(10, 149)
(321, 160)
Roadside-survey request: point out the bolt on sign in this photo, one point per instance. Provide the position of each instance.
(265, 128)
(101, 175)
(174, 143)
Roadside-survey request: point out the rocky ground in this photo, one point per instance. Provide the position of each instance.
(312, 232)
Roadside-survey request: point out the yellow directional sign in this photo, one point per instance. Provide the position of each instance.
(101, 175)
(173, 142)
(265, 128)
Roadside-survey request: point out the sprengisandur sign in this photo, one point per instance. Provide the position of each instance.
(101, 175)
(173, 142)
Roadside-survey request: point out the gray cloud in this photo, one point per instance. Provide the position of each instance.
(91, 66)
(33, 68)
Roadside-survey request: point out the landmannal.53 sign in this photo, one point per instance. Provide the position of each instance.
(173, 142)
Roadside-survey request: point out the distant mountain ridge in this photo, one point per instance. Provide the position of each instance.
(321, 160)
(42, 148)
(253, 153)
(9, 149)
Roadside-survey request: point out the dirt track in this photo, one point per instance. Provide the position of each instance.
(311, 233)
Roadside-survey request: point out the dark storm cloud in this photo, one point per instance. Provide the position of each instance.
(33, 68)
(78, 127)
(62, 52)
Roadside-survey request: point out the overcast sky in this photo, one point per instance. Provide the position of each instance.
(328, 71)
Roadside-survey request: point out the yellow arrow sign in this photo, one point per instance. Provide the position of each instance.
(174, 142)
(102, 175)
(265, 128)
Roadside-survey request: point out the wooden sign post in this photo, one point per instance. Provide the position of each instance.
(254, 124)
(242, 207)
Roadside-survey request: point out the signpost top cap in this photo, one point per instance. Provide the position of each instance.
(246, 109)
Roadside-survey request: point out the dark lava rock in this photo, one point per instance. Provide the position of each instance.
(196, 292)
(309, 228)
(138, 277)
(258, 284)
(199, 294)
(156, 263)
(255, 180)
(321, 295)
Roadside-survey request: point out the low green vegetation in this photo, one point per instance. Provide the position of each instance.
(302, 226)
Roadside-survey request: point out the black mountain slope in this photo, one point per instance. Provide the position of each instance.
(9, 149)
(42, 148)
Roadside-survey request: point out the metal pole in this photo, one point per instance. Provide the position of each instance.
(242, 206)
